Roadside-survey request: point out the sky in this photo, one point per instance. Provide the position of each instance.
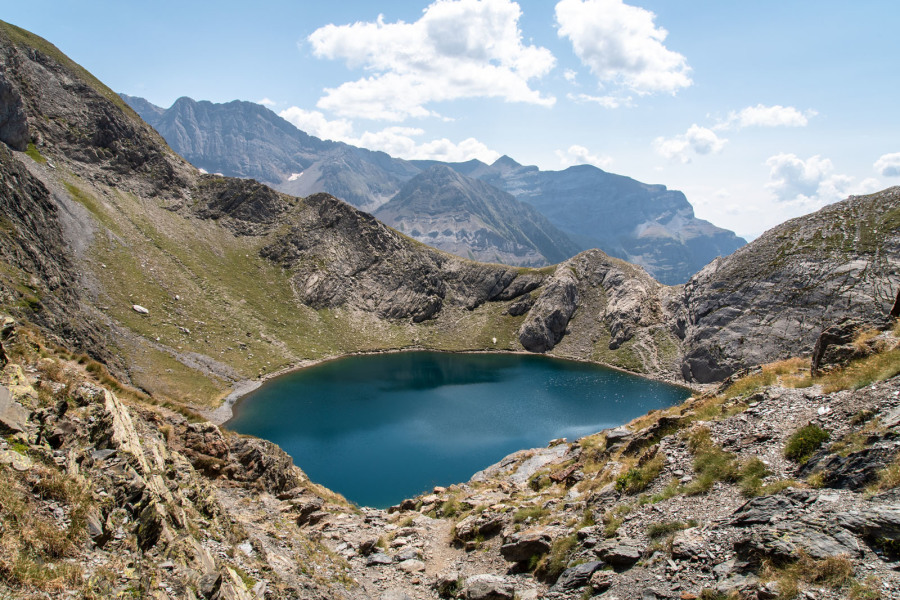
(758, 111)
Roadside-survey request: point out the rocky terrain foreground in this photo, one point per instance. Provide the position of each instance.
(105, 494)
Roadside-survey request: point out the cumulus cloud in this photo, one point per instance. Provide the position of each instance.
(266, 102)
(622, 46)
(888, 165)
(604, 101)
(570, 75)
(315, 123)
(457, 49)
(767, 116)
(579, 155)
(400, 142)
(696, 140)
(811, 182)
(396, 141)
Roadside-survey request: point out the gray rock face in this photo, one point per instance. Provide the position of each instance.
(343, 257)
(773, 298)
(547, 320)
(470, 218)
(647, 225)
(13, 415)
(13, 121)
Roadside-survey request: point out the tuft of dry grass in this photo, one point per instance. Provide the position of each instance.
(834, 572)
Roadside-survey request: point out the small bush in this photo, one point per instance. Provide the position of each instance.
(804, 442)
(659, 530)
(637, 479)
(556, 561)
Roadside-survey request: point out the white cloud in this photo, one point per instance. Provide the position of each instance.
(888, 165)
(400, 142)
(396, 141)
(314, 123)
(622, 46)
(266, 102)
(570, 75)
(811, 182)
(458, 49)
(767, 116)
(604, 101)
(579, 155)
(696, 140)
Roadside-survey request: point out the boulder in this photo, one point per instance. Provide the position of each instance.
(523, 545)
(852, 472)
(577, 576)
(13, 415)
(688, 543)
(488, 587)
(621, 554)
(379, 558)
(486, 524)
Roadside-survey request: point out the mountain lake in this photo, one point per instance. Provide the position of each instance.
(380, 428)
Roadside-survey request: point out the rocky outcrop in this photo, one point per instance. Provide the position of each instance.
(772, 298)
(13, 121)
(547, 320)
(245, 206)
(341, 257)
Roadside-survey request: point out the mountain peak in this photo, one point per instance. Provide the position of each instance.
(506, 162)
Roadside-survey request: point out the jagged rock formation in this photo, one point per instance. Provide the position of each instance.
(644, 224)
(467, 217)
(772, 298)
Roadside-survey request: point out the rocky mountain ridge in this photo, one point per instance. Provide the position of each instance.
(644, 224)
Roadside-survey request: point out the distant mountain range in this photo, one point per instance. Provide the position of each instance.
(503, 212)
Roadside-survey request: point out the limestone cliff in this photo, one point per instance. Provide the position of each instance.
(772, 298)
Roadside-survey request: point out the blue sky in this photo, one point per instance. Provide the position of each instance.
(758, 111)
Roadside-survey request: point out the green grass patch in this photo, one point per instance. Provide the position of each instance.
(35, 154)
(535, 513)
(637, 479)
(804, 442)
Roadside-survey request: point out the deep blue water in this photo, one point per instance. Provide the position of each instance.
(385, 427)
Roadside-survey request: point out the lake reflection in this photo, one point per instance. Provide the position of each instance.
(385, 427)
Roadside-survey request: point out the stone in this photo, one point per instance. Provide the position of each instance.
(13, 416)
(411, 565)
(852, 472)
(209, 585)
(762, 510)
(523, 545)
(140, 309)
(446, 584)
(395, 595)
(577, 576)
(19, 462)
(621, 554)
(486, 524)
(488, 587)
(602, 580)
(688, 543)
(378, 559)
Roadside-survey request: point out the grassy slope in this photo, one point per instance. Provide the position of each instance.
(238, 308)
